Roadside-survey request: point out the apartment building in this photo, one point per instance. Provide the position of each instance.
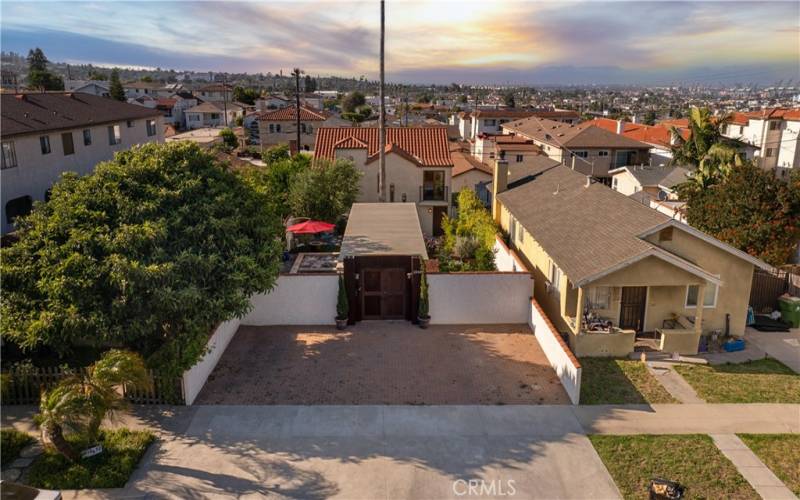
(46, 134)
(418, 166)
(774, 132)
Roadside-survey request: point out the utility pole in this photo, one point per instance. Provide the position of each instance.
(297, 104)
(382, 123)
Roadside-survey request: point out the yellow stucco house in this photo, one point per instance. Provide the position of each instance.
(607, 268)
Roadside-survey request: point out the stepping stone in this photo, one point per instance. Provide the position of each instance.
(10, 475)
(32, 451)
(21, 463)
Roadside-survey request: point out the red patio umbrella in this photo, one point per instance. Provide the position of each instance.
(310, 227)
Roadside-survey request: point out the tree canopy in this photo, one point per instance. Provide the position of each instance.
(39, 76)
(275, 180)
(750, 209)
(148, 253)
(115, 86)
(324, 191)
(353, 101)
(247, 95)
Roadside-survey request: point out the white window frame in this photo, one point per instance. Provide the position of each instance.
(712, 306)
(44, 143)
(554, 277)
(581, 154)
(9, 153)
(602, 153)
(115, 133)
(519, 158)
(593, 298)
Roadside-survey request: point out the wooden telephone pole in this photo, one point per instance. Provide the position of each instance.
(296, 73)
(382, 123)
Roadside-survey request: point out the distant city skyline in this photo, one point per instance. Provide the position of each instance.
(427, 42)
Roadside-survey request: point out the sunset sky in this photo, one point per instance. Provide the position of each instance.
(441, 42)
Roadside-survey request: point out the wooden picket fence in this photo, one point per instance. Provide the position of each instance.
(23, 385)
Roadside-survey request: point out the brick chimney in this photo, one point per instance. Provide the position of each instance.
(499, 184)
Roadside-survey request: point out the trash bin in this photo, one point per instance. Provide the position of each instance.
(790, 310)
(662, 489)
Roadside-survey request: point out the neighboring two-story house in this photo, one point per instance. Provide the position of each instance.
(280, 126)
(46, 134)
(214, 92)
(655, 187)
(588, 149)
(418, 166)
(598, 256)
(774, 132)
(212, 114)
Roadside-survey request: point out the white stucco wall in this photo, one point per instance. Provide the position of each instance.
(479, 298)
(195, 377)
(506, 259)
(558, 354)
(297, 299)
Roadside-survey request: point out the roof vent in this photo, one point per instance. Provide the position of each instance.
(588, 181)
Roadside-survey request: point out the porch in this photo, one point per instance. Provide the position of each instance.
(650, 300)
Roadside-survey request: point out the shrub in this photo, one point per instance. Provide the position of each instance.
(342, 307)
(325, 191)
(423, 309)
(12, 442)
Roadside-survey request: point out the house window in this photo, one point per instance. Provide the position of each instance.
(17, 207)
(151, 128)
(770, 152)
(774, 125)
(278, 128)
(519, 158)
(433, 185)
(491, 155)
(502, 155)
(599, 297)
(114, 135)
(615, 184)
(303, 128)
(68, 145)
(741, 130)
(271, 128)
(391, 193)
(602, 154)
(581, 154)
(130, 122)
(709, 299)
(490, 123)
(215, 116)
(309, 129)
(44, 144)
(87, 137)
(9, 155)
(555, 279)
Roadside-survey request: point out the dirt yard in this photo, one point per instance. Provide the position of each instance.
(383, 362)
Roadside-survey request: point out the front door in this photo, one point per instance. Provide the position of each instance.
(383, 293)
(438, 215)
(632, 306)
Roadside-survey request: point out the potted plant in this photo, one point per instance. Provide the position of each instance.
(342, 306)
(423, 316)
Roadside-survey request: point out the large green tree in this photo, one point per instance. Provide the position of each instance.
(115, 89)
(246, 95)
(39, 77)
(352, 101)
(275, 180)
(325, 191)
(750, 209)
(148, 253)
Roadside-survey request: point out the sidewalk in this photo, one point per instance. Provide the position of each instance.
(763, 480)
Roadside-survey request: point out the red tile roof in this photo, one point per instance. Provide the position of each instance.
(428, 146)
(774, 114)
(659, 134)
(289, 113)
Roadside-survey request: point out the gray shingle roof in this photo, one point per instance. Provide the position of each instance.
(383, 229)
(44, 112)
(658, 176)
(583, 135)
(585, 230)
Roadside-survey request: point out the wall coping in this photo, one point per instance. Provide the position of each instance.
(554, 331)
(487, 273)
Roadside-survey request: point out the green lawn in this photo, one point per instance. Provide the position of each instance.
(779, 452)
(761, 381)
(692, 460)
(12, 442)
(619, 381)
(123, 449)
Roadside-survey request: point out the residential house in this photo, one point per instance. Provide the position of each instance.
(138, 89)
(589, 149)
(468, 172)
(418, 166)
(490, 121)
(463, 120)
(486, 148)
(215, 92)
(659, 136)
(212, 114)
(46, 134)
(167, 106)
(272, 101)
(94, 87)
(598, 256)
(654, 187)
(775, 132)
(280, 126)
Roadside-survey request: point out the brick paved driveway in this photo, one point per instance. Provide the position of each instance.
(383, 363)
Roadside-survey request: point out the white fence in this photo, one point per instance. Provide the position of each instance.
(479, 298)
(506, 259)
(297, 299)
(195, 377)
(558, 353)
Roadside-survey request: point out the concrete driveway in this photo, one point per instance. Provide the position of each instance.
(383, 362)
(783, 346)
(372, 452)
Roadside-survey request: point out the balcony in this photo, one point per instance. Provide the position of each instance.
(433, 192)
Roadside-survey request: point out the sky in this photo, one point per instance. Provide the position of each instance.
(483, 42)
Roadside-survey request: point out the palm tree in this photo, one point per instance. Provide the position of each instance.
(706, 149)
(80, 402)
